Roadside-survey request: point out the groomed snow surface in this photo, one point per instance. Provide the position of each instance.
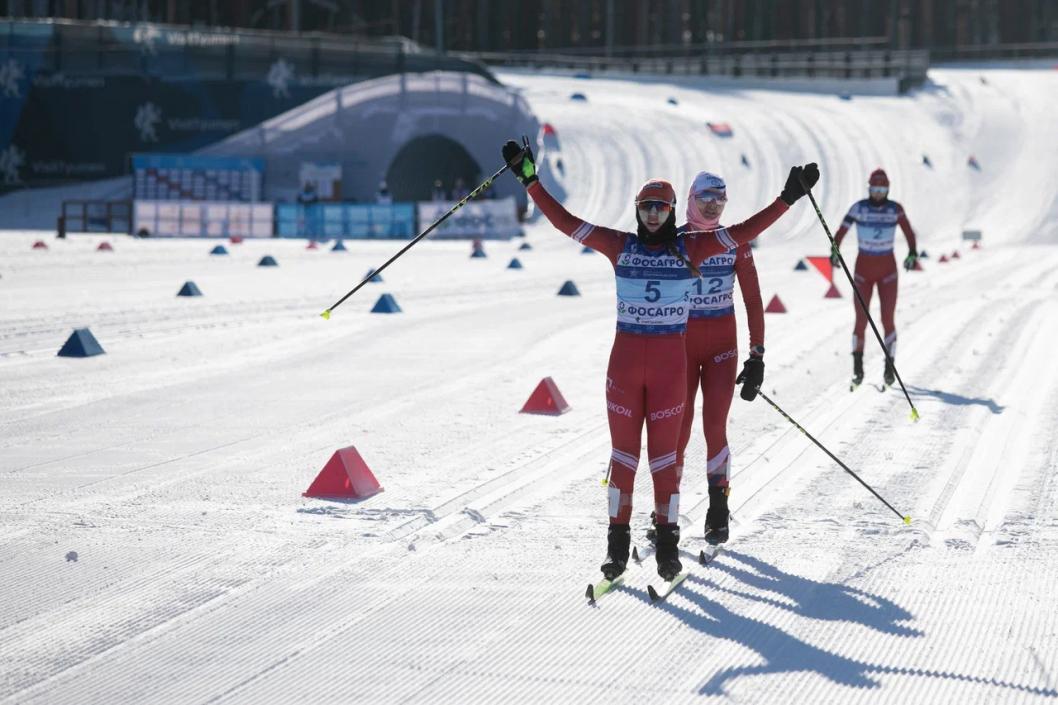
(155, 546)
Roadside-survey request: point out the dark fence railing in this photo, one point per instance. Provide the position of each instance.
(908, 66)
(1034, 50)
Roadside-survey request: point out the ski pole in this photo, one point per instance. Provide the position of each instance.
(905, 517)
(469, 197)
(863, 304)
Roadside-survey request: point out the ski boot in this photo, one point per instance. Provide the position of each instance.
(668, 552)
(857, 370)
(890, 371)
(618, 540)
(716, 529)
(652, 532)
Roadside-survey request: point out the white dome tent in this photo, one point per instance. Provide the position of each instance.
(364, 127)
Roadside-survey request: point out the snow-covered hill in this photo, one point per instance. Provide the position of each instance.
(173, 466)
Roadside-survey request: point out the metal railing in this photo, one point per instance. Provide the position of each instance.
(1029, 50)
(909, 66)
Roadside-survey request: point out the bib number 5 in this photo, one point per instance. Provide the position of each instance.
(653, 292)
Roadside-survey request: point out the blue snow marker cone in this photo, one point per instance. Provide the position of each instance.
(478, 253)
(801, 266)
(219, 250)
(375, 278)
(268, 261)
(525, 246)
(569, 289)
(515, 264)
(386, 304)
(81, 344)
(339, 246)
(587, 250)
(189, 289)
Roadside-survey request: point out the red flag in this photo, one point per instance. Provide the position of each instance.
(824, 267)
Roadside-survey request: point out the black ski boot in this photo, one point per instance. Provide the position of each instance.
(618, 539)
(857, 369)
(890, 371)
(716, 529)
(668, 552)
(652, 532)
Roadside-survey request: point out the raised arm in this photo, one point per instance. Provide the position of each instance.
(609, 242)
(606, 240)
(704, 244)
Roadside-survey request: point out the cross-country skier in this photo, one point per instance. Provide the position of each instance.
(646, 377)
(712, 346)
(876, 218)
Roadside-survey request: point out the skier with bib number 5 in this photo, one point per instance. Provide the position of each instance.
(876, 218)
(646, 377)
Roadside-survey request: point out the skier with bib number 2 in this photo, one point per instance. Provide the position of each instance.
(646, 377)
(876, 218)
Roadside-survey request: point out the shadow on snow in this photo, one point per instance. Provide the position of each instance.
(784, 653)
(956, 399)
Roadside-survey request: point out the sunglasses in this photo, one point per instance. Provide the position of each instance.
(659, 206)
(878, 189)
(711, 197)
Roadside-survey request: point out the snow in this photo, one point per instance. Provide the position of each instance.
(155, 546)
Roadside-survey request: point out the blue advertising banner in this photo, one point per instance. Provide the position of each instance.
(355, 221)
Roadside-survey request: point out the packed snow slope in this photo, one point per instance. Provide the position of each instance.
(155, 546)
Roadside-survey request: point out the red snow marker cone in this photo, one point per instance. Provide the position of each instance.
(40, 245)
(345, 475)
(775, 305)
(918, 266)
(976, 246)
(832, 292)
(823, 266)
(955, 255)
(943, 258)
(312, 245)
(105, 247)
(546, 399)
(235, 239)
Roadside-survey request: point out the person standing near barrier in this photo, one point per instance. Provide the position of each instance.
(712, 347)
(876, 218)
(646, 376)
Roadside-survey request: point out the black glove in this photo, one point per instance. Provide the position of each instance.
(520, 158)
(909, 261)
(751, 377)
(794, 189)
(835, 258)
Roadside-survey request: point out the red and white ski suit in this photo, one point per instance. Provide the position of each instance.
(646, 377)
(712, 353)
(875, 265)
